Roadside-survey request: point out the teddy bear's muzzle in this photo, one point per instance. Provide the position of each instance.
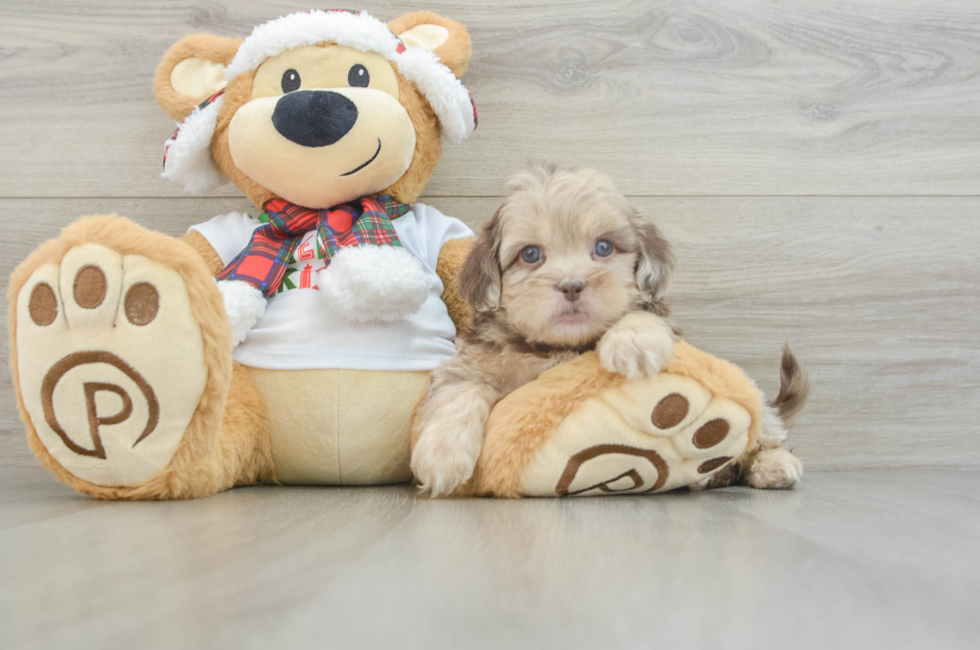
(314, 118)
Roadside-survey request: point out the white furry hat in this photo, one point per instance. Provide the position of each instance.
(187, 154)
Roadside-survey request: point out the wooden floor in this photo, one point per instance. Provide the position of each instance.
(869, 559)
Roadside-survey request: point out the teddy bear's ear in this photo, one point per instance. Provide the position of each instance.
(191, 71)
(445, 38)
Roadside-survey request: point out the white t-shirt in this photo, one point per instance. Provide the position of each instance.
(299, 331)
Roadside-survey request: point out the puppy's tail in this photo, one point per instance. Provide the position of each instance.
(794, 388)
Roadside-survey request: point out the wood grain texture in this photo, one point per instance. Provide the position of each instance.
(699, 97)
(879, 297)
(876, 559)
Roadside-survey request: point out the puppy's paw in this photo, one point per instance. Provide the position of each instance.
(638, 345)
(774, 469)
(444, 460)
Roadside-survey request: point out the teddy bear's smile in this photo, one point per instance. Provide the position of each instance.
(363, 165)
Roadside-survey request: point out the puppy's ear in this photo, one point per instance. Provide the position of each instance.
(192, 70)
(656, 261)
(479, 279)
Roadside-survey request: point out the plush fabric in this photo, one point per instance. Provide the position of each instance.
(204, 47)
(534, 434)
(186, 156)
(210, 456)
(244, 306)
(93, 400)
(369, 284)
(263, 262)
(451, 257)
(201, 246)
(358, 442)
(442, 89)
(227, 439)
(303, 325)
(190, 158)
(375, 152)
(454, 52)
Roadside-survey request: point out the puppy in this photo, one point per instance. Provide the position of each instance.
(565, 265)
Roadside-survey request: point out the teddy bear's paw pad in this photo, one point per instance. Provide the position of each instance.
(648, 435)
(110, 363)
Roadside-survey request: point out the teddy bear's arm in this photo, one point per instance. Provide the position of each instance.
(451, 259)
(197, 241)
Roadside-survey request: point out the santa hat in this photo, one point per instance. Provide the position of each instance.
(187, 154)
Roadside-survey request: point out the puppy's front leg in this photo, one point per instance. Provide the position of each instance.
(639, 344)
(451, 434)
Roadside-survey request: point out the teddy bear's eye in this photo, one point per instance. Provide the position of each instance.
(358, 76)
(290, 81)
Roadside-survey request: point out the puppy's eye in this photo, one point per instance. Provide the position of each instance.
(358, 76)
(603, 248)
(290, 81)
(531, 254)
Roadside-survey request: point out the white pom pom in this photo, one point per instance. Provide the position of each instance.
(244, 305)
(374, 283)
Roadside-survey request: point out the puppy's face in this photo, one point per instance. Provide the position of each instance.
(565, 257)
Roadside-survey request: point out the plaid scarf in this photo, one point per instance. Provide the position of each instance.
(263, 262)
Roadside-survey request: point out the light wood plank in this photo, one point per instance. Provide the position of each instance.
(877, 559)
(671, 98)
(879, 297)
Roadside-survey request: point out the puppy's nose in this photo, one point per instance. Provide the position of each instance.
(572, 289)
(314, 118)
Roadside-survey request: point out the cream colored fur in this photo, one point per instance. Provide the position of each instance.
(773, 468)
(524, 305)
(637, 346)
(361, 420)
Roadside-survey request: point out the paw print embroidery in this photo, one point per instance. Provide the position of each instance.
(110, 363)
(649, 435)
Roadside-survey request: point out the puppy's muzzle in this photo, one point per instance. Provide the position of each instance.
(572, 289)
(314, 118)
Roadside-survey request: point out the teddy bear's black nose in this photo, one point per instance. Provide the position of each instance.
(314, 118)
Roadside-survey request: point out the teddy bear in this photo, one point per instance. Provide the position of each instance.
(292, 345)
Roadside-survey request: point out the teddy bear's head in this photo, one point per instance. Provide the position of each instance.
(317, 108)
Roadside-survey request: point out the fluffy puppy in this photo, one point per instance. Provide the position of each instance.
(565, 265)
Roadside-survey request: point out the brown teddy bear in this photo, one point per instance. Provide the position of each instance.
(138, 376)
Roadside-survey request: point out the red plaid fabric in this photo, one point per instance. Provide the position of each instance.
(263, 262)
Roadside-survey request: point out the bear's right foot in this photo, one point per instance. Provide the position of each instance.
(122, 357)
